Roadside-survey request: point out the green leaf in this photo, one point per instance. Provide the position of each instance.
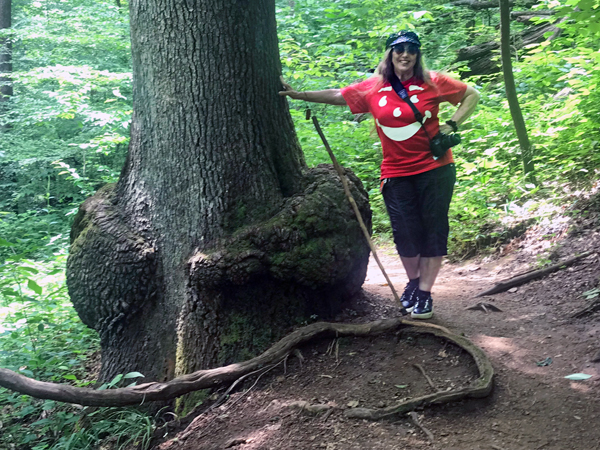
(27, 372)
(578, 377)
(545, 362)
(70, 377)
(115, 380)
(401, 386)
(5, 243)
(133, 375)
(34, 287)
(592, 293)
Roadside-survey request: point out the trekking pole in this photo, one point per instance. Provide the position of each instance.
(340, 172)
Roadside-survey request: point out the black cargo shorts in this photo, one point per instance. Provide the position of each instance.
(418, 208)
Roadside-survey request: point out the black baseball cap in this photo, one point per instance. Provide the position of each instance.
(401, 37)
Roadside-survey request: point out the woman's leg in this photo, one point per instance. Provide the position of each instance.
(401, 200)
(412, 266)
(435, 192)
(428, 270)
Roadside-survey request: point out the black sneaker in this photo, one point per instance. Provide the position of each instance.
(409, 297)
(423, 307)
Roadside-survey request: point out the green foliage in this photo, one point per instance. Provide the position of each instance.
(65, 132)
(42, 337)
(583, 14)
(70, 110)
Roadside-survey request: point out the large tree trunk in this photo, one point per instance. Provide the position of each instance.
(216, 239)
(6, 89)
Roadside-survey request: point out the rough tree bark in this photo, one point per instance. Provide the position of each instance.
(511, 91)
(6, 89)
(216, 239)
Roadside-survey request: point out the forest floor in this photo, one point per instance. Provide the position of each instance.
(533, 344)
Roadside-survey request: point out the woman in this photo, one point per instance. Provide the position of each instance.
(416, 186)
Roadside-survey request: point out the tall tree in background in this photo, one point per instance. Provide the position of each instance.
(216, 239)
(511, 92)
(6, 89)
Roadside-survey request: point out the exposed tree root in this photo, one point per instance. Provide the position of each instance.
(203, 379)
(531, 275)
(481, 387)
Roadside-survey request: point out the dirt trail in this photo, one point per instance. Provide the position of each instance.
(533, 406)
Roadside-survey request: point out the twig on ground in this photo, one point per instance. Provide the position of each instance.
(264, 370)
(330, 347)
(485, 307)
(223, 397)
(298, 354)
(420, 368)
(528, 276)
(327, 414)
(415, 418)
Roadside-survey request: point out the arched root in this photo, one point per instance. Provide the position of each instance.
(210, 378)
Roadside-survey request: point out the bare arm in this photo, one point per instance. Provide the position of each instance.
(466, 108)
(329, 96)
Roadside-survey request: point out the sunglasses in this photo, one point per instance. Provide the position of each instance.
(411, 49)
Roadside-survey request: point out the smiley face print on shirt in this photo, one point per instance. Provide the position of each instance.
(404, 132)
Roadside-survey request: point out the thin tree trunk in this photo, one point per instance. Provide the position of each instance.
(511, 92)
(6, 89)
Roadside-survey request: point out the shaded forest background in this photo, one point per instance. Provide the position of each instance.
(65, 131)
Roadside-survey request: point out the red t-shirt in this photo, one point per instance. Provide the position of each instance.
(405, 145)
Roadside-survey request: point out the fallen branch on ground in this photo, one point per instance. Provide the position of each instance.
(211, 378)
(485, 307)
(528, 276)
